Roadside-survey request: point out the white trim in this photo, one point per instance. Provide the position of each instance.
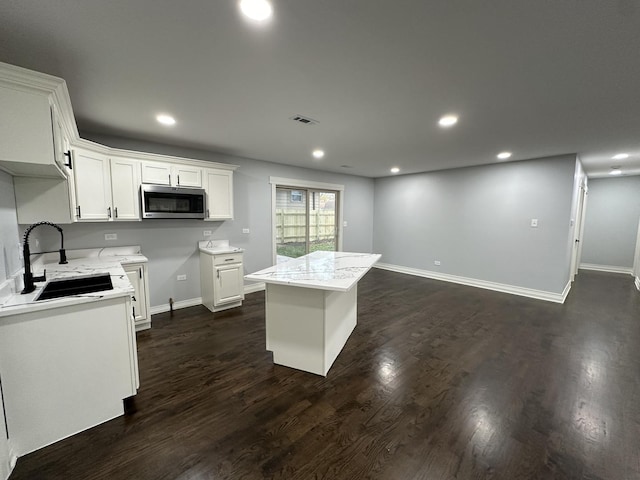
(191, 302)
(293, 182)
(472, 282)
(254, 287)
(637, 282)
(606, 268)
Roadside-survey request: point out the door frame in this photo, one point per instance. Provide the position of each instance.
(308, 185)
(576, 247)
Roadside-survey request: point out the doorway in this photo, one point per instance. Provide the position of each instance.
(306, 218)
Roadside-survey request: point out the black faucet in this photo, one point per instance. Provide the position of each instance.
(29, 279)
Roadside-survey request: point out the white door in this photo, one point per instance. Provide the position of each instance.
(229, 284)
(125, 179)
(575, 254)
(219, 188)
(93, 186)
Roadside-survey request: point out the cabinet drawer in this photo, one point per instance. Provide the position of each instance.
(227, 259)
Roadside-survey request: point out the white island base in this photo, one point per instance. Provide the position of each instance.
(306, 328)
(311, 307)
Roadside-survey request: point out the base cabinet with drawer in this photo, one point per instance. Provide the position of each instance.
(221, 280)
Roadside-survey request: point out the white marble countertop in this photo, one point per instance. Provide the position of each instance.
(81, 262)
(217, 247)
(338, 271)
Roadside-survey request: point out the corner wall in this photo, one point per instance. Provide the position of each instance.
(477, 223)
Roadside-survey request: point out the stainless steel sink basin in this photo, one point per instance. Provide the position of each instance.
(66, 287)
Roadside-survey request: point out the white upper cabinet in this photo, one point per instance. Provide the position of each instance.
(218, 184)
(61, 150)
(156, 173)
(125, 187)
(186, 176)
(174, 175)
(92, 186)
(26, 138)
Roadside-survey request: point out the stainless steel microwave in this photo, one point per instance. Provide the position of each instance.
(172, 202)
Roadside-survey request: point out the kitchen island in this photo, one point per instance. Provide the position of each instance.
(311, 307)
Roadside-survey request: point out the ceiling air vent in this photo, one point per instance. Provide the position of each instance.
(304, 120)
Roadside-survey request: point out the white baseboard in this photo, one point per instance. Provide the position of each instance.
(638, 283)
(254, 287)
(191, 302)
(472, 282)
(606, 268)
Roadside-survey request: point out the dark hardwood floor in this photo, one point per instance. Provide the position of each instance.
(438, 381)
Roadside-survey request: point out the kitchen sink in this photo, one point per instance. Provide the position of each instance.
(66, 287)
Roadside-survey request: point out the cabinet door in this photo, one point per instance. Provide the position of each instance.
(229, 284)
(186, 176)
(26, 137)
(125, 182)
(61, 151)
(156, 173)
(93, 186)
(219, 188)
(135, 274)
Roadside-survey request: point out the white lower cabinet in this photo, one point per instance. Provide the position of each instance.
(65, 370)
(137, 274)
(221, 280)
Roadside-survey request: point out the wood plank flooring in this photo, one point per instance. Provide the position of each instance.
(438, 381)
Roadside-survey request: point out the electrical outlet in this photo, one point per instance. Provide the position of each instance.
(436, 262)
(181, 277)
(534, 223)
(344, 224)
(110, 236)
(206, 233)
(246, 230)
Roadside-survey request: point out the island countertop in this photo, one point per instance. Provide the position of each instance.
(337, 271)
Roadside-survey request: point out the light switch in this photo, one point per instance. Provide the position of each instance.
(534, 223)
(206, 233)
(110, 236)
(246, 230)
(344, 224)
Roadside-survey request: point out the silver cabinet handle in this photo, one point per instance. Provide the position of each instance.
(109, 212)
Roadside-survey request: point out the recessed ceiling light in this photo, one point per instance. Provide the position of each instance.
(166, 119)
(318, 153)
(258, 10)
(620, 156)
(615, 171)
(504, 155)
(448, 121)
(395, 170)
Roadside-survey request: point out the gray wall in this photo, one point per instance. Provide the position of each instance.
(476, 222)
(171, 245)
(611, 222)
(9, 264)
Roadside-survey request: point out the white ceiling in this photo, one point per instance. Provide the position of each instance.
(536, 77)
